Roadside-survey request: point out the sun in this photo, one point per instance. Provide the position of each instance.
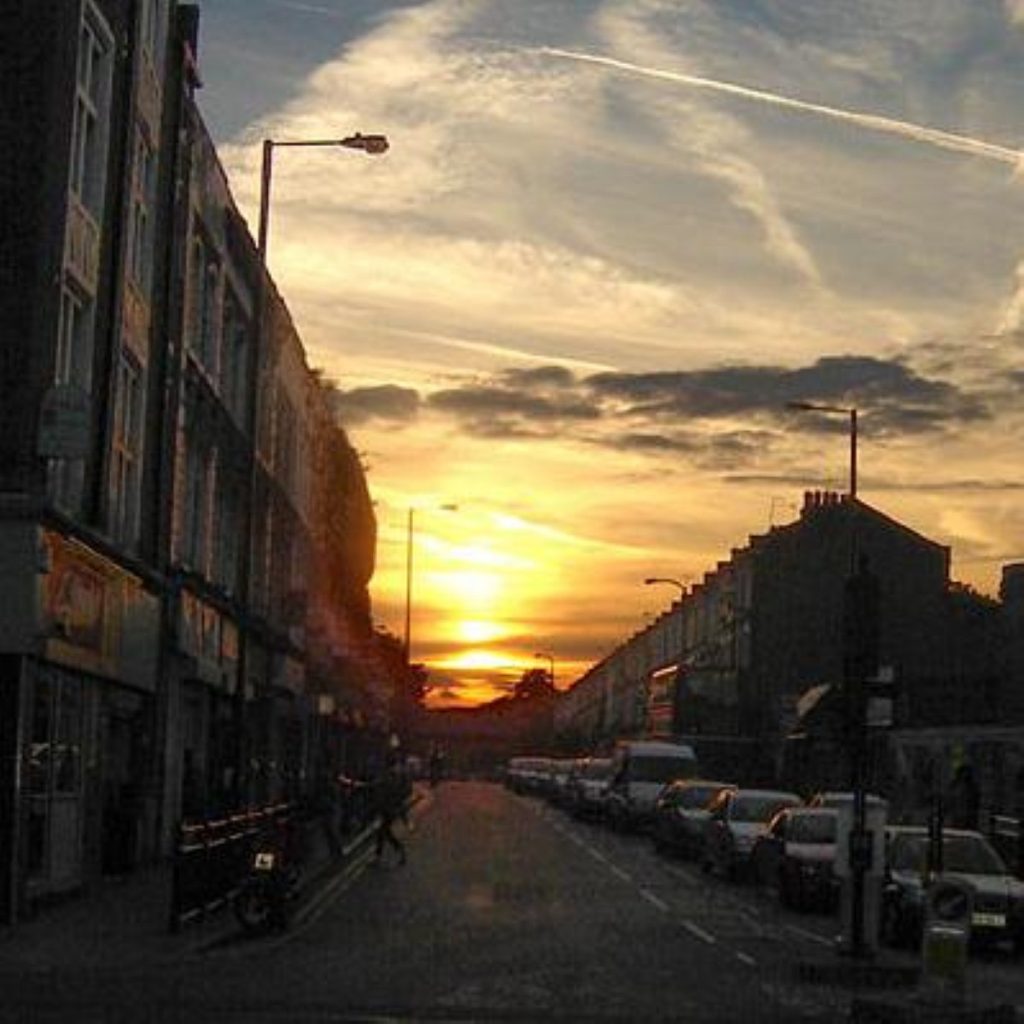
(478, 631)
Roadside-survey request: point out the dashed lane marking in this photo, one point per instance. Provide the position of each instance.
(696, 930)
(618, 872)
(745, 959)
(655, 901)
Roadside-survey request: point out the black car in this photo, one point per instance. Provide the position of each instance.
(680, 812)
(797, 856)
(998, 911)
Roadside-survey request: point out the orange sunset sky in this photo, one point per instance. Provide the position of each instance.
(610, 240)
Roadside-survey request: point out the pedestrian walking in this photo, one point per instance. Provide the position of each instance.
(390, 798)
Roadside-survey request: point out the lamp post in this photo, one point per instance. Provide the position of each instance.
(551, 664)
(860, 643)
(408, 576)
(373, 145)
(851, 412)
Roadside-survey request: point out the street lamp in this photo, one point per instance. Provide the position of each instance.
(845, 411)
(408, 576)
(373, 145)
(551, 662)
(667, 579)
(860, 612)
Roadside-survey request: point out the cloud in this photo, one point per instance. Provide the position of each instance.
(384, 402)
(631, 411)
(888, 389)
(872, 122)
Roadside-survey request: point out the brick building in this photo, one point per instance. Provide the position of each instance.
(163, 517)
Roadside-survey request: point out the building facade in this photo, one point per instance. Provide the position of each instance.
(760, 638)
(161, 516)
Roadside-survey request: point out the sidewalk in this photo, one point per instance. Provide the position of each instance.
(124, 921)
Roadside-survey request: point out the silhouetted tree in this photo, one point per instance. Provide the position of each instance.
(534, 685)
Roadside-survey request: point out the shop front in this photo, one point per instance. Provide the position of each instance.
(82, 695)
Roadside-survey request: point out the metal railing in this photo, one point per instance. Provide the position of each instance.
(211, 858)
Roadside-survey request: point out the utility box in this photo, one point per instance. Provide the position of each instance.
(949, 904)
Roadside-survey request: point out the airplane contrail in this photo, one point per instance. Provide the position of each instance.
(874, 122)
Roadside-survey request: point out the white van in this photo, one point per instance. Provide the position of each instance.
(641, 769)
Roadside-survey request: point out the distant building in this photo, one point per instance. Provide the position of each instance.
(764, 629)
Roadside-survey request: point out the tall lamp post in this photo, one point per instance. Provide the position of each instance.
(671, 581)
(860, 657)
(370, 144)
(848, 411)
(373, 145)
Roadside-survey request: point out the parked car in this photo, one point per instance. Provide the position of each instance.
(588, 787)
(642, 769)
(525, 774)
(837, 799)
(556, 786)
(998, 912)
(796, 856)
(735, 820)
(680, 813)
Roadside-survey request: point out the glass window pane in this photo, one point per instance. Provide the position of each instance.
(68, 738)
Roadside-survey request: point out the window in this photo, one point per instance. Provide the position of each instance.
(229, 532)
(72, 366)
(89, 134)
(140, 260)
(199, 473)
(203, 286)
(125, 475)
(235, 360)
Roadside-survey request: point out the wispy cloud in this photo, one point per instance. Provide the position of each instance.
(873, 122)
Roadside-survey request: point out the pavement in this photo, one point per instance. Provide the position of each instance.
(124, 921)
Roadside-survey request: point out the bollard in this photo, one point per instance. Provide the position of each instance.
(947, 935)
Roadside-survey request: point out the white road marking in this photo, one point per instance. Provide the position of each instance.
(618, 872)
(744, 958)
(655, 901)
(695, 929)
(596, 854)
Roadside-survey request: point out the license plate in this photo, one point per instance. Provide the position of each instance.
(989, 920)
(264, 862)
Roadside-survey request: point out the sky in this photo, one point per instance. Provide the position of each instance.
(610, 240)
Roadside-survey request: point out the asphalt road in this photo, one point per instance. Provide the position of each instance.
(507, 910)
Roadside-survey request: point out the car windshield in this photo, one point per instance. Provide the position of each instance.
(969, 855)
(692, 797)
(812, 828)
(659, 769)
(756, 807)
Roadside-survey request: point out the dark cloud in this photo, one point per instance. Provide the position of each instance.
(674, 412)
(386, 402)
(499, 409)
(911, 402)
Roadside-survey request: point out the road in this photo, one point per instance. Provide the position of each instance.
(507, 910)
